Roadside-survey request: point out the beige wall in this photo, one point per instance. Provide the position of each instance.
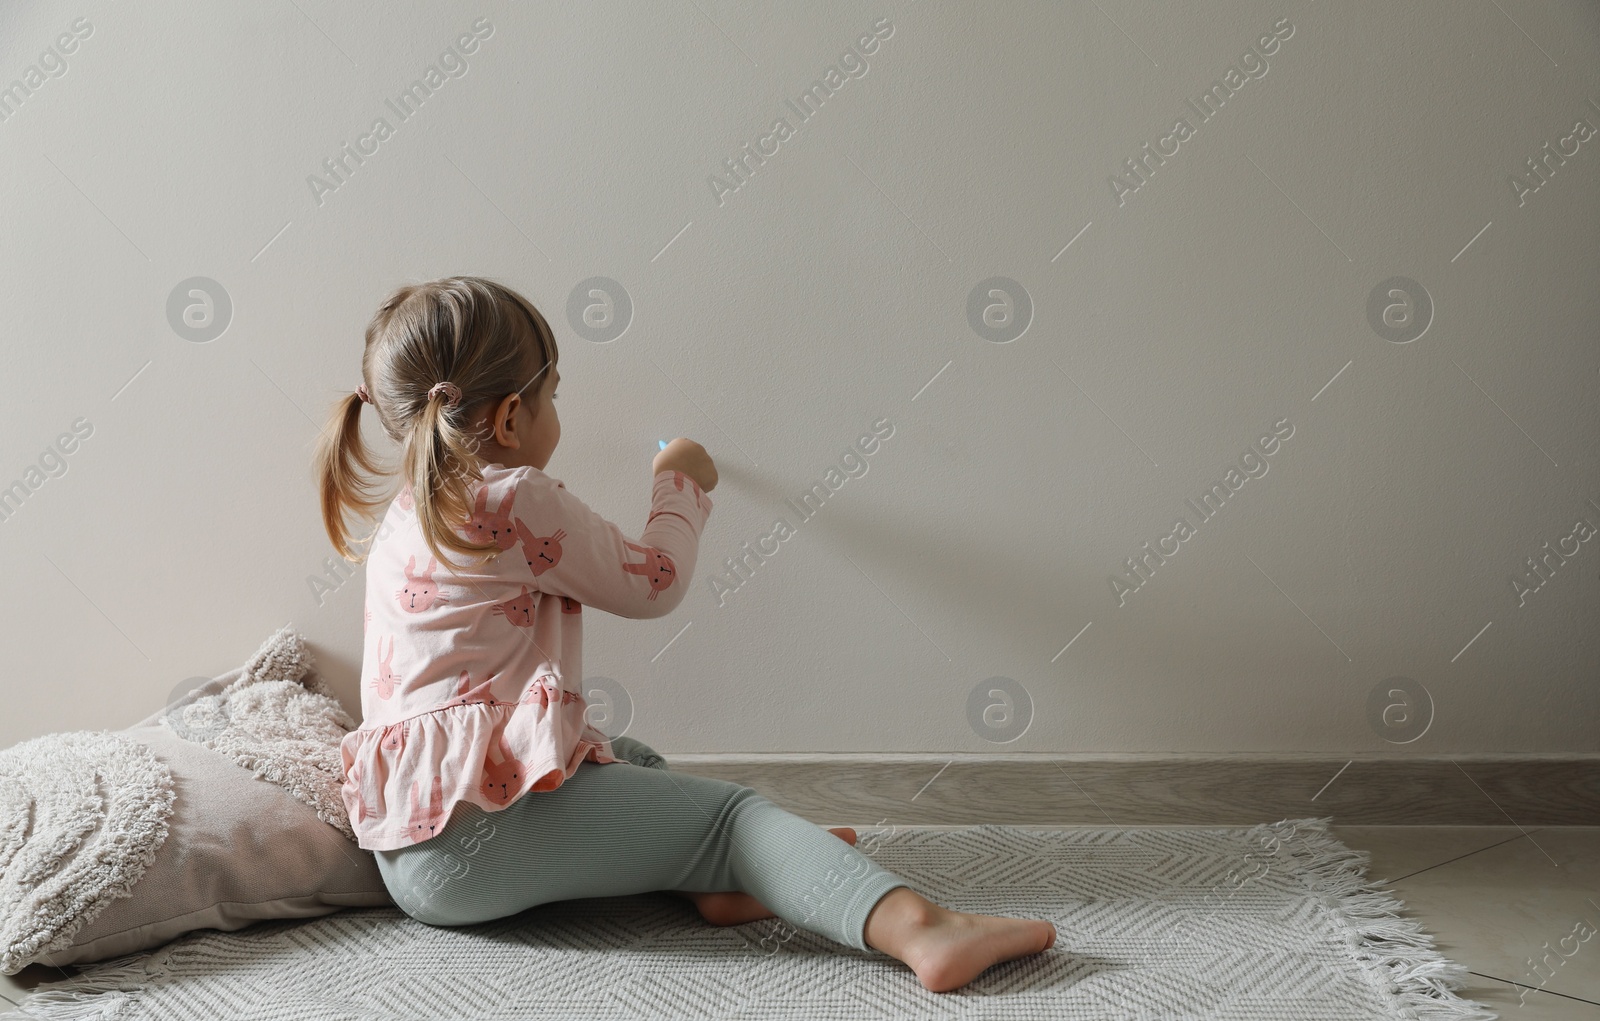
(1238, 291)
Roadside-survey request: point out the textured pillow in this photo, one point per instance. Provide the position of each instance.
(84, 816)
(217, 811)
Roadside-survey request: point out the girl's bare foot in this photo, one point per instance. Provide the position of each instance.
(948, 949)
(735, 907)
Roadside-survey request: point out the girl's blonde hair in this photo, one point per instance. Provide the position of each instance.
(480, 335)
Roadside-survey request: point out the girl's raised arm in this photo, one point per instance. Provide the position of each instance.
(572, 551)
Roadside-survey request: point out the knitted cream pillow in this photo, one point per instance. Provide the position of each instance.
(217, 811)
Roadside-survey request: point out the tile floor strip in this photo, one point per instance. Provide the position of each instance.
(1537, 989)
(1458, 857)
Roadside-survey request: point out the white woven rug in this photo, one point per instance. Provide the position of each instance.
(1263, 924)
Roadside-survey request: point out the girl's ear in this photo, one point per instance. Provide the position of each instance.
(505, 421)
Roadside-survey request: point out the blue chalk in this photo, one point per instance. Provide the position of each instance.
(663, 445)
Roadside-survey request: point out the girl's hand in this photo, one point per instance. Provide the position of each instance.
(689, 457)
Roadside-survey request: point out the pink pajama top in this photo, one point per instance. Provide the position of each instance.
(472, 675)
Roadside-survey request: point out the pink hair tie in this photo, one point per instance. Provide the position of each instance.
(450, 390)
(361, 392)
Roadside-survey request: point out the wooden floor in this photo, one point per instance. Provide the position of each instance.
(1492, 896)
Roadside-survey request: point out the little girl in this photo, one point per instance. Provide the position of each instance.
(475, 776)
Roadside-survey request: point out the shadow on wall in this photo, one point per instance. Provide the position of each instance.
(903, 557)
(1023, 597)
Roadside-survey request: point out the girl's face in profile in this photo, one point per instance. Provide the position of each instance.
(544, 428)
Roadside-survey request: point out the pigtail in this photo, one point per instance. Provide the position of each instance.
(441, 467)
(346, 472)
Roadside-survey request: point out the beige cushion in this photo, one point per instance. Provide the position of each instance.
(238, 850)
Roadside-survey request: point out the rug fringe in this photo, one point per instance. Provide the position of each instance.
(1395, 950)
(96, 995)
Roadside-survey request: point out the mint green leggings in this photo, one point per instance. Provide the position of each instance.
(632, 827)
